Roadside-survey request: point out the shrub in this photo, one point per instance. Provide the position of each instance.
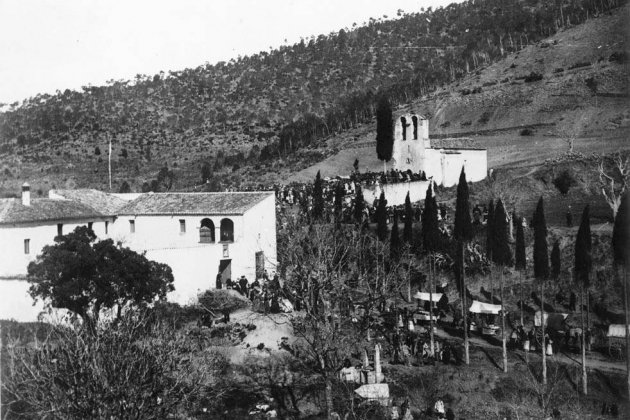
(485, 117)
(564, 182)
(533, 77)
(133, 368)
(526, 132)
(97, 151)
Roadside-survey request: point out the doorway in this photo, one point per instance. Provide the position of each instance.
(225, 270)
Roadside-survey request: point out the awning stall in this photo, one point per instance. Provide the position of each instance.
(617, 330)
(425, 296)
(484, 308)
(552, 320)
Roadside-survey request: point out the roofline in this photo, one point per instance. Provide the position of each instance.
(65, 219)
(182, 214)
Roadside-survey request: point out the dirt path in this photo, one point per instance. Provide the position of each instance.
(593, 361)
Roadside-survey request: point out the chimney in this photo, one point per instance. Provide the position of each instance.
(26, 194)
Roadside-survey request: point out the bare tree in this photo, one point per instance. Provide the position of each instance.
(614, 179)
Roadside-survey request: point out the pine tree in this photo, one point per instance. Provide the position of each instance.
(381, 218)
(582, 275)
(541, 269)
(394, 244)
(621, 253)
(384, 130)
(408, 230)
(318, 197)
(359, 204)
(462, 232)
(502, 257)
(520, 262)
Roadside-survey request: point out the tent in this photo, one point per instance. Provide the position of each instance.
(553, 320)
(376, 392)
(484, 308)
(616, 330)
(425, 296)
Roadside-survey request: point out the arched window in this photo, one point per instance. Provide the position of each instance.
(227, 230)
(414, 120)
(403, 122)
(206, 231)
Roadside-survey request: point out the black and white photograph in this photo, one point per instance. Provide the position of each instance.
(314, 209)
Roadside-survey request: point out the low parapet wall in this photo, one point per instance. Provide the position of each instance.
(395, 194)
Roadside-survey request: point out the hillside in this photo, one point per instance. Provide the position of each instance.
(256, 109)
(525, 123)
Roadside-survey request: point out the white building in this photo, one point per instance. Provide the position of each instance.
(199, 235)
(412, 151)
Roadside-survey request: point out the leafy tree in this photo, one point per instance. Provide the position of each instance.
(384, 130)
(164, 180)
(355, 165)
(541, 269)
(85, 276)
(408, 229)
(381, 217)
(124, 188)
(124, 154)
(97, 150)
(582, 274)
(520, 260)
(206, 172)
(394, 244)
(502, 257)
(359, 204)
(318, 198)
(463, 233)
(621, 254)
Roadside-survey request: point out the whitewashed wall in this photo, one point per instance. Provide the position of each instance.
(16, 303)
(445, 165)
(395, 194)
(13, 260)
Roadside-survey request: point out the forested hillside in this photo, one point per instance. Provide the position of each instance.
(269, 104)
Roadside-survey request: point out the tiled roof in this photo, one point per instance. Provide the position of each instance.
(43, 209)
(98, 200)
(193, 203)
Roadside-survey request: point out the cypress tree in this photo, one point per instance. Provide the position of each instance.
(430, 229)
(621, 254)
(489, 232)
(520, 262)
(490, 239)
(381, 218)
(430, 243)
(384, 130)
(582, 273)
(359, 204)
(408, 230)
(394, 244)
(556, 258)
(541, 269)
(318, 197)
(502, 257)
(462, 232)
(338, 203)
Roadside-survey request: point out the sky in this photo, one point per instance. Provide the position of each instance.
(47, 45)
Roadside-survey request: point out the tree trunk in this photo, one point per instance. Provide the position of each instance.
(624, 279)
(588, 320)
(584, 377)
(491, 284)
(542, 324)
(520, 279)
(466, 344)
(431, 272)
(503, 339)
(329, 400)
